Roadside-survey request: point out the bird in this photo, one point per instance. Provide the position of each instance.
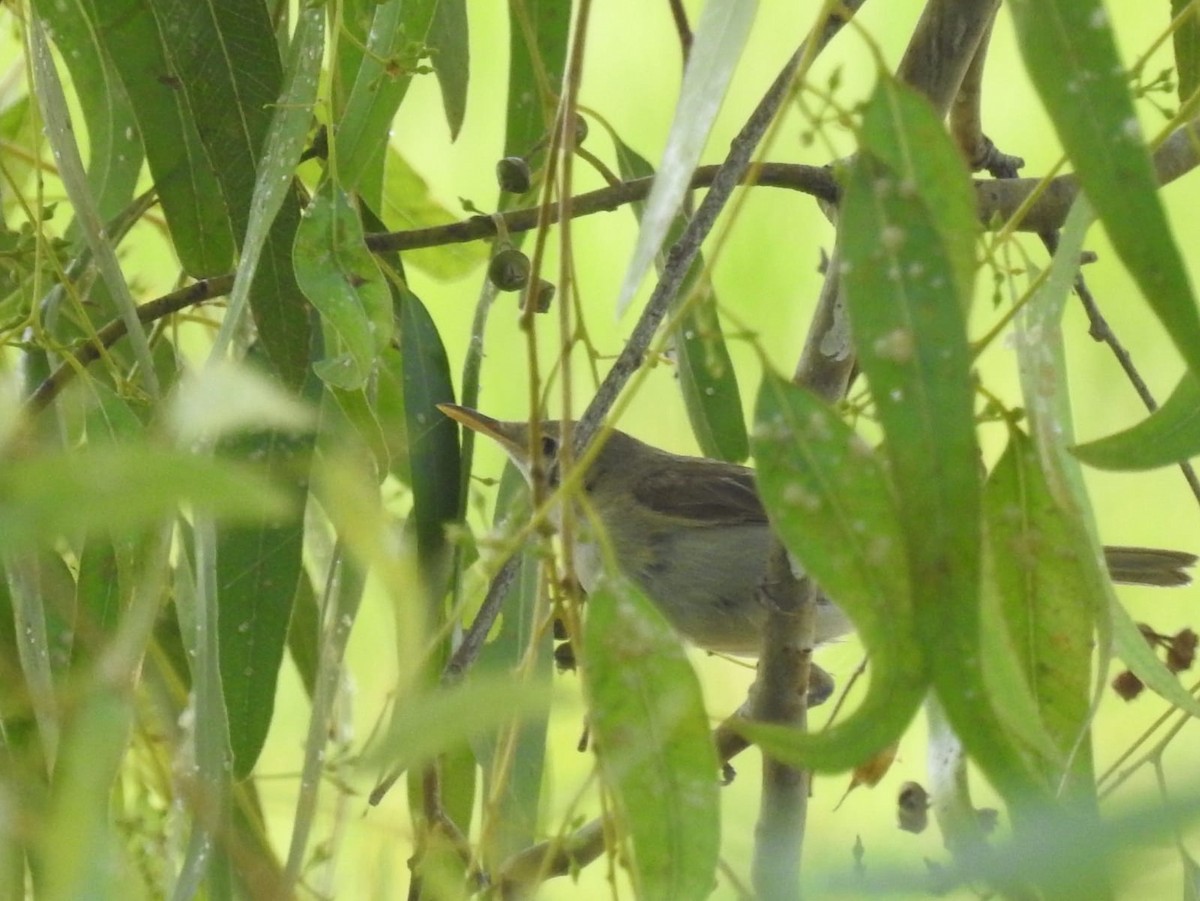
(693, 535)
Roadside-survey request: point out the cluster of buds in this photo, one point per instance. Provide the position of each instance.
(509, 269)
(1179, 654)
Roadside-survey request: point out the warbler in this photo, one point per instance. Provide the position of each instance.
(692, 534)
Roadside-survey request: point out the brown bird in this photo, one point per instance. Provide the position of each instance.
(693, 535)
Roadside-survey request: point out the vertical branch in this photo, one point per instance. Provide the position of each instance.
(780, 696)
(938, 56)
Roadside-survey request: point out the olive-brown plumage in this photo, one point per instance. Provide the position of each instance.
(692, 533)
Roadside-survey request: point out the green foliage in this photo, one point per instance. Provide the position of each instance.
(209, 509)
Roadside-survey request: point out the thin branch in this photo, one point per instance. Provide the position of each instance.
(1100, 330)
(815, 180)
(943, 46)
(783, 667)
(683, 252)
(679, 16)
(996, 201)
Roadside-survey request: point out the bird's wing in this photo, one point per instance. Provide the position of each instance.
(703, 492)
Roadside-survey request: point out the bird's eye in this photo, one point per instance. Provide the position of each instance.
(549, 447)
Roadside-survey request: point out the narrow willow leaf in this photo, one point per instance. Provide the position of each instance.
(123, 489)
(517, 796)
(187, 186)
(114, 153)
(450, 53)
(228, 398)
(342, 280)
(717, 44)
(1039, 564)
(1043, 371)
(1072, 58)
(1171, 434)
(230, 98)
(903, 275)
(706, 375)
(443, 718)
(900, 128)
(284, 142)
(408, 203)
(813, 468)
(259, 567)
(108, 563)
(432, 437)
(61, 133)
(650, 732)
(1187, 48)
(534, 71)
(79, 852)
(380, 84)
(303, 634)
(208, 739)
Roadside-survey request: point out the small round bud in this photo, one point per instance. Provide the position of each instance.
(543, 296)
(581, 129)
(912, 807)
(509, 269)
(1127, 685)
(512, 174)
(564, 657)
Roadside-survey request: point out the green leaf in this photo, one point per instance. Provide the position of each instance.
(357, 16)
(443, 718)
(398, 31)
(900, 128)
(408, 203)
(432, 437)
(450, 52)
(1187, 48)
(123, 489)
(1040, 560)
(304, 634)
(259, 567)
(717, 43)
(1043, 370)
(1171, 434)
(114, 153)
(79, 852)
(187, 185)
(108, 564)
(535, 70)
(905, 277)
(1071, 57)
(60, 131)
(707, 378)
(650, 732)
(812, 466)
(340, 277)
(517, 798)
(282, 324)
(223, 58)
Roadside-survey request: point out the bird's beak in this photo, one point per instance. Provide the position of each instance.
(509, 435)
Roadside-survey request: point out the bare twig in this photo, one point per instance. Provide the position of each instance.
(679, 16)
(1100, 330)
